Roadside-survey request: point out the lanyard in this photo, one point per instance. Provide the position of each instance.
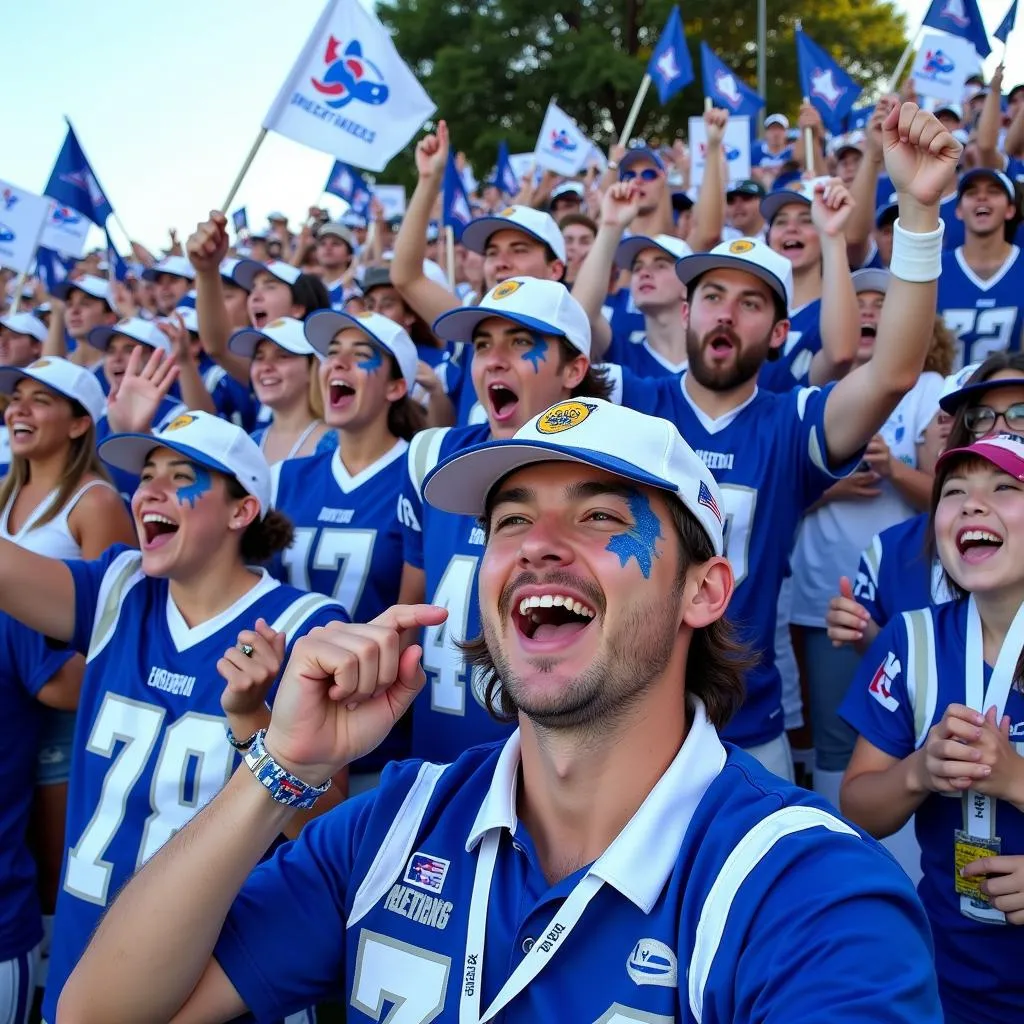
(550, 940)
(297, 447)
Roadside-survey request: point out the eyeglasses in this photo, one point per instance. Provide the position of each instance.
(648, 174)
(982, 419)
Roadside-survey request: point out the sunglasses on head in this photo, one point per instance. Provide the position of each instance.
(982, 419)
(647, 174)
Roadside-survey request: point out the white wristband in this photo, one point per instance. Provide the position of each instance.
(916, 257)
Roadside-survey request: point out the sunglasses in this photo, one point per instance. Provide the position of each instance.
(647, 174)
(981, 419)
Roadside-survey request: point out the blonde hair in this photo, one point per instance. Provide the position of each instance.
(316, 395)
(943, 347)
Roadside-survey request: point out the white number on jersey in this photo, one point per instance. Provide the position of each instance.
(413, 979)
(739, 504)
(347, 552)
(992, 329)
(193, 742)
(442, 660)
(619, 1014)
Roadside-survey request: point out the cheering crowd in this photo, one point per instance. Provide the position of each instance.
(761, 441)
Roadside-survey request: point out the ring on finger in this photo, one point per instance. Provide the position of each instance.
(247, 649)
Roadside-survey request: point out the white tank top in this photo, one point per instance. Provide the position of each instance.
(54, 538)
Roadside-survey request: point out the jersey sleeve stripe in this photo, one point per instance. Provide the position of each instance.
(424, 451)
(296, 614)
(123, 573)
(873, 558)
(743, 860)
(922, 677)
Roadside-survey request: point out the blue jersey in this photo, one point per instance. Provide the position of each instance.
(768, 458)
(232, 401)
(5, 451)
(100, 374)
(897, 573)
(449, 715)
(125, 482)
(627, 322)
(985, 315)
(150, 745)
(642, 360)
(910, 675)
(27, 663)
(952, 237)
(760, 157)
(711, 904)
(792, 368)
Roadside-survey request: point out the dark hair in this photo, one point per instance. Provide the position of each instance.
(715, 663)
(310, 293)
(406, 417)
(781, 311)
(595, 383)
(263, 538)
(578, 218)
(959, 435)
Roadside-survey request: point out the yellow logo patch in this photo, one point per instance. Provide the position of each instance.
(365, 315)
(563, 416)
(178, 422)
(277, 323)
(39, 364)
(505, 289)
(507, 212)
(741, 245)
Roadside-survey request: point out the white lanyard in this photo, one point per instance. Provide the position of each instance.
(297, 447)
(548, 942)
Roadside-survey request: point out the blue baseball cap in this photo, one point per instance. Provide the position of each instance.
(986, 172)
(640, 153)
(960, 387)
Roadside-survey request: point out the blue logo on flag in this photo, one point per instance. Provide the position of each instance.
(6, 234)
(561, 143)
(726, 87)
(954, 10)
(350, 77)
(427, 872)
(66, 216)
(9, 198)
(937, 63)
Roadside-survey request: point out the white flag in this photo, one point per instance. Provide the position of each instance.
(65, 232)
(22, 219)
(735, 145)
(350, 94)
(942, 66)
(561, 146)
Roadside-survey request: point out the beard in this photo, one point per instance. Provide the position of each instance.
(747, 363)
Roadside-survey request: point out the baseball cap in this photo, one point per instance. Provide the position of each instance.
(640, 153)
(25, 323)
(802, 193)
(277, 215)
(644, 449)
(145, 332)
(887, 212)
(245, 274)
(176, 266)
(376, 277)
(285, 332)
(351, 219)
(749, 254)
(323, 325)
(870, 279)
(959, 387)
(746, 187)
(336, 228)
(433, 231)
(1004, 451)
(531, 222)
(229, 269)
(779, 119)
(681, 201)
(986, 172)
(629, 248)
(543, 306)
(97, 287)
(950, 108)
(203, 438)
(567, 188)
(66, 378)
(189, 318)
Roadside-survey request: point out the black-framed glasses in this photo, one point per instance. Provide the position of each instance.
(982, 419)
(648, 174)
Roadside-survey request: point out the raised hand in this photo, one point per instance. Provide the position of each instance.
(920, 155)
(715, 121)
(177, 334)
(950, 764)
(208, 244)
(133, 402)
(432, 153)
(831, 206)
(620, 205)
(847, 619)
(249, 677)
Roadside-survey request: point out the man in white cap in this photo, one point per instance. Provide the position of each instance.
(172, 278)
(77, 307)
(611, 861)
(771, 152)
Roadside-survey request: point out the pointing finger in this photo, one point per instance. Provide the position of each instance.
(411, 616)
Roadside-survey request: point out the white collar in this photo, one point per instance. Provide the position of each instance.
(185, 636)
(346, 482)
(642, 856)
(711, 424)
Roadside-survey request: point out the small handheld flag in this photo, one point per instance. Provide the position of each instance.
(960, 18)
(347, 183)
(240, 220)
(832, 91)
(73, 182)
(726, 88)
(114, 261)
(504, 176)
(1006, 26)
(561, 146)
(456, 212)
(670, 67)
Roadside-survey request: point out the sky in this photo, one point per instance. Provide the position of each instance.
(167, 103)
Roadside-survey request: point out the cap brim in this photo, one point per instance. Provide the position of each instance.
(322, 328)
(775, 201)
(691, 267)
(65, 288)
(243, 343)
(999, 457)
(129, 452)
(883, 212)
(459, 324)
(10, 375)
(477, 231)
(462, 483)
(99, 337)
(871, 279)
(629, 248)
(247, 266)
(951, 403)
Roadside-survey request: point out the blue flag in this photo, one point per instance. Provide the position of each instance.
(504, 176)
(73, 183)
(52, 268)
(832, 91)
(114, 260)
(1006, 25)
(725, 87)
(670, 66)
(456, 212)
(347, 183)
(857, 119)
(960, 18)
(240, 219)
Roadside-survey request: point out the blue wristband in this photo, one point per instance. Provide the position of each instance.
(284, 787)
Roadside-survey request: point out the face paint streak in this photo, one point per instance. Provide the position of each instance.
(639, 540)
(194, 491)
(372, 363)
(536, 352)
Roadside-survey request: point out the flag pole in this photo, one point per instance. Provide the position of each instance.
(19, 284)
(245, 169)
(634, 111)
(449, 255)
(902, 62)
(809, 144)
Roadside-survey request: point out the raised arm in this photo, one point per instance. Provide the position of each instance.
(864, 187)
(37, 591)
(921, 158)
(988, 125)
(709, 210)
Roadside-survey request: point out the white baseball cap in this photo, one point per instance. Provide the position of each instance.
(203, 438)
(245, 274)
(748, 254)
(801, 193)
(189, 317)
(531, 222)
(229, 268)
(870, 279)
(66, 378)
(97, 287)
(176, 266)
(644, 449)
(144, 331)
(779, 119)
(543, 306)
(322, 327)
(25, 323)
(567, 188)
(629, 248)
(286, 332)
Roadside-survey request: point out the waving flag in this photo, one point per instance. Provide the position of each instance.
(504, 176)
(858, 118)
(73, 182)
(960, 18)
(456, 213)
(670, 67)
(23, 218)
(725, 87)
(52, 268)
(240, 220)
(347, 183)
(65, 231)
(114, 261)
(832, 91)
(350, 94)
(1007, 24)
(561, 146)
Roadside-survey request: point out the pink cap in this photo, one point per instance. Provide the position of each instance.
(1004, 451)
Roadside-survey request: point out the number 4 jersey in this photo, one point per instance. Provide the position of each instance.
(150, 745)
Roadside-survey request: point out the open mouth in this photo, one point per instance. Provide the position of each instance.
(720, 343)
(793, 245)
(977, 545)
(340, 393)
(868, 331)
(157, 530)
(21, 430)
(551, 618)
(503, 401)
(983, 211)
(259, 318)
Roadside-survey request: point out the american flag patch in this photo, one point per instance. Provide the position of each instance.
(707, 499)
(427, 872)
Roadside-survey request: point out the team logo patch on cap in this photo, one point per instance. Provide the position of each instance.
(39, 364)
(364, 315)
(563, 416)
(741, 245)
(504, 290)
(507, 212)
(277, 323)
(178, 422)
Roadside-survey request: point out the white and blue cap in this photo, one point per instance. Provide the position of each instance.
(322, 328)
(573, 189)
(992, 174)
(546, 307)
(871, 279)
(629, 248)
(534, 223)
(176, 266)
(202, 438)
(189, 317)
(959, 387)
(640, 153)
(353, 220)
(747, 254)
(25, 323)
(96, 287)
(644, 449)
(229, 269)
(800, 192)
(245, 273)
(145, 332)
(888, 211)
(66, 378)
(286, 332)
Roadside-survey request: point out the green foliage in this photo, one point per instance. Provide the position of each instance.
(492, 66)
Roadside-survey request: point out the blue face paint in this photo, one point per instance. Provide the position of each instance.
(193, 492)
(537, 351)
(373, 362)
(639, 540)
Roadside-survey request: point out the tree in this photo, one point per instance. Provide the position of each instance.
(491, 66)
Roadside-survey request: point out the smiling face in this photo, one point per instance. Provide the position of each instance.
(513, 253)
(41, 423)
(356, 381)
(654, 284)
(793, 235)
(279, 378)
(270, 299)
(984, 207)
(518, 373)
